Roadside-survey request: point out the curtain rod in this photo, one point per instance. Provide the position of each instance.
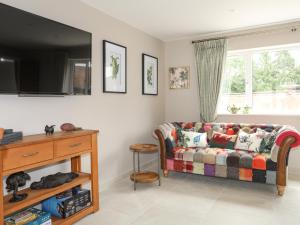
(293, 28)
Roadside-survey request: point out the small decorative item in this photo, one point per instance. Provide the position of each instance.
(150, 74)
(233, 109)
(114, 68)
(53, 180)
(49, 129)
(69, 127)
(246, 109)
(179, 77)
(13, 182)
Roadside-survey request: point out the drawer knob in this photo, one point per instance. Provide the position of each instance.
(30, 154)
(75, 145)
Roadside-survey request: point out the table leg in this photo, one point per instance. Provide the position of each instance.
(138, 162)
(1, 192)
(134, 183)
(76, 164)
(94, 173)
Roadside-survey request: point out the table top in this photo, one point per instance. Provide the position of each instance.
(144, 148)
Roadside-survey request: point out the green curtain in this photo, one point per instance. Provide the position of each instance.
(210, 61)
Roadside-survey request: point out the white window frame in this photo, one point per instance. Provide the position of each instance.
(247, 55)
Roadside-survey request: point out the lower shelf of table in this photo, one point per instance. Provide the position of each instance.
(36, 196)
(144, 177)
(73, 218)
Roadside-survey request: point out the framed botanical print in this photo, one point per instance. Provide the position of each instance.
(114, 68)
(179, 77)
(150, 74)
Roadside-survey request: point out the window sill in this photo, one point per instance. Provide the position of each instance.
(253, 114)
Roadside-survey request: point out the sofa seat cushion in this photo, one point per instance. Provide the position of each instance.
(232, 164)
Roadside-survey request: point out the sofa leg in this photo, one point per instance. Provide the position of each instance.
(280, 190)
(166, 173)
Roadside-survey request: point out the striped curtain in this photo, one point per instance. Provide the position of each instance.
(210, 61)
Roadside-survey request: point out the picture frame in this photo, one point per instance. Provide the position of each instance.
(114, 68)
(179, 77)
(149, 75)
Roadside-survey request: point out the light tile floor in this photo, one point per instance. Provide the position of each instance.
(186, 199)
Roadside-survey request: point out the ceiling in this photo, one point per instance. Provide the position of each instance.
(176, 19)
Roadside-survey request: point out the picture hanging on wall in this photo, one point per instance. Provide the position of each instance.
(114, 68)
(150, 74)
(179, 77)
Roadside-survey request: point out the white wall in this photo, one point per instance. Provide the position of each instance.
(183, 105)
(121, 118)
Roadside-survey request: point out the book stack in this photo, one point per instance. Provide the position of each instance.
(10, 136)
(31, 216)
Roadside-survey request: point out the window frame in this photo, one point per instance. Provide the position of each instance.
(248, 56)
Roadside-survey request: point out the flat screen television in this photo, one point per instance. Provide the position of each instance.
(39, 56)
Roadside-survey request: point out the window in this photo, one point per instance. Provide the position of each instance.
(78, 77)
(265, 81)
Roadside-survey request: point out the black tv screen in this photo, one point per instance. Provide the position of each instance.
(41, 56)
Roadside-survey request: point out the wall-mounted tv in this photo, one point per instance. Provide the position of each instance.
(39, 56)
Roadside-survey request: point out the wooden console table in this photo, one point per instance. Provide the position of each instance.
(35, 151)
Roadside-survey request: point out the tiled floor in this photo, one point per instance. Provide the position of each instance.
(185, 199)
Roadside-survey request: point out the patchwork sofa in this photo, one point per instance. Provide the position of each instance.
(246, 152)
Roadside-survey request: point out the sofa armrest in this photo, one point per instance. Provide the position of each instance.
(162, 146)
(282, 159)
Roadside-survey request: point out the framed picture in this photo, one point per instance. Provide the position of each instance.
(114, 68)
(179, 77)
(150, 75)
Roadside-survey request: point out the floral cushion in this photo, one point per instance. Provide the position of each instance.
(193, 139)
(249, 142)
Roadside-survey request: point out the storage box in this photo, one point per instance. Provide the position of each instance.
(68, 203)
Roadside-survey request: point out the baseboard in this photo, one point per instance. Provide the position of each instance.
(294, 171)
(111, 182)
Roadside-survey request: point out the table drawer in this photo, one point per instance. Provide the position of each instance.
(27, 155)
(72, 145)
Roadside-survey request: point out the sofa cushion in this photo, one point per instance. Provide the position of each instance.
(259, 162)
(198, 156)
(209, 170)
(188, 155)
(220, 140)
(209, 156)
(193, 139)
(249, 142)
(268, 141)
(198, 168)
(233, 164)
(245, 174)
(221, 171)
(246, 161)
(233, 173)
(272, 166)
(259, 176)
(233, 159)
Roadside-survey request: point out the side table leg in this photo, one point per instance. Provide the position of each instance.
(134, 184)
(138, 162)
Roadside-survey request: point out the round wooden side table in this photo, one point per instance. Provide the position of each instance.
(139, 176)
